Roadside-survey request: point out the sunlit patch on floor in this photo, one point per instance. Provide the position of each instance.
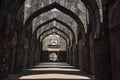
(53, 71)
(54, 76)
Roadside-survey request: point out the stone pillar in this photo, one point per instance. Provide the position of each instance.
(81, 58)
(35, 55)
(80, 55)
(102, 59)
(40, 50)
(29, 57)
(77, 57)
(19, 56)
(29, 53)
(70, 56)
(67, 56)
(73, 55)
(12, 54)
(3, 56)
(92, 55)
(86, 55)
(25, 60)
(115, 53)
(38, 53)
(32, 56)
(12, 59)
(102, 49)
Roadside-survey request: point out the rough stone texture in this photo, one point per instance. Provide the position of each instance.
(114, 28)
(6, 40)
(54, 14)
(114, 14)
(10, 26)
(102, 65)
(20, 41)
(3, 57)
(62, 43)
(79, 10)
(58, 25)
(100, 5)
(4, 45)
(69, 4)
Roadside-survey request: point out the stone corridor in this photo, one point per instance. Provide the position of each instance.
(60, 39)
(51, 71)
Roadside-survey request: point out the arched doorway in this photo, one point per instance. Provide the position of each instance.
(53, 57)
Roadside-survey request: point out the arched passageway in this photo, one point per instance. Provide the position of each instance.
(59, 39)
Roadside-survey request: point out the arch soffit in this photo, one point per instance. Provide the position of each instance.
(59, 7)
(54, 19)
(57, 34)
(56, 29)
(89, 4)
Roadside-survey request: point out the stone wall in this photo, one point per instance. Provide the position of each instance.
(114, 29)
(62, 43)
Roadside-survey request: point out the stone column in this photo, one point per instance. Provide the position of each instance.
(80, 55)
(12, 59)
(92, 55)
(19, 56)
(86, 55)
(102, 49)
(81, 58)
(25, 58)
(67, 56)
(77, 57)
(32, 57)
(70, 56)
(25, 53)
(38, 53)
(3, 56)
(12, 54)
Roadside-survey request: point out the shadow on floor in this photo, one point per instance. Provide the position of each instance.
(51, 71)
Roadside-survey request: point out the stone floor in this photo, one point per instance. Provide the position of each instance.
(51, 71)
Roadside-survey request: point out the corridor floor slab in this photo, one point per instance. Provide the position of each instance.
(51, 71)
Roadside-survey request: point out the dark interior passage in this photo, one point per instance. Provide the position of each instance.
(60, 39)
(48, 56)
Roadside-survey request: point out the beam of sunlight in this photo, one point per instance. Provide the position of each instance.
(52, 69)
(53, 65)
(54, 76)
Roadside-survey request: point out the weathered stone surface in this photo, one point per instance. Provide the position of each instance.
(16, 53)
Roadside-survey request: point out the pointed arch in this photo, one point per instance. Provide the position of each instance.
(56, 29)
(67, 43)
(94, 11)
(90, 5)
(60, 8)
(57, 20)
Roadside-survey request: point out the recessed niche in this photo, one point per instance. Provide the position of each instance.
(53, 57)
